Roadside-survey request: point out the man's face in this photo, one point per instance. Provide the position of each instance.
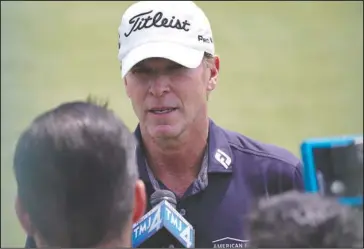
(167, 97)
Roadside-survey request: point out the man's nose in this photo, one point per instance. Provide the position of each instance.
(159, 85)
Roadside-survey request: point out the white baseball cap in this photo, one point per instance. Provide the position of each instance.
(175, 30)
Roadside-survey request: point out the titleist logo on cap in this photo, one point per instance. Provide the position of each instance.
(146, 21)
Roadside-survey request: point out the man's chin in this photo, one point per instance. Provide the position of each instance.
(164, 131)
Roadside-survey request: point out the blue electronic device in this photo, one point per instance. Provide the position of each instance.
(333, 166)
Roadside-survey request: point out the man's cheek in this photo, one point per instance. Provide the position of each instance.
(137, 108)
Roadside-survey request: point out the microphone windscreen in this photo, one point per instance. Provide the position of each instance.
(161, 195)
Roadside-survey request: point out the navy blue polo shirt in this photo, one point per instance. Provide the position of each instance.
(238, 171)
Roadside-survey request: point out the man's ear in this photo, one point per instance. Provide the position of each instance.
(140, 201)
(214, 74)
(23, 217)
(217, 63)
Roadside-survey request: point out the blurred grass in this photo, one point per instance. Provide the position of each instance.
(289, 70)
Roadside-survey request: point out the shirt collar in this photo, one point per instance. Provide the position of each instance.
(220, 158)
(220, 155)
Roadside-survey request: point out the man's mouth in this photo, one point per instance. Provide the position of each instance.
(162, 110)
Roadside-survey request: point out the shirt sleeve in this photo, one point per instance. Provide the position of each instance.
(297, 178)
(283, 177)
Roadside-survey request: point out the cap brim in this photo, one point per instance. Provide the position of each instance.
(188, 57)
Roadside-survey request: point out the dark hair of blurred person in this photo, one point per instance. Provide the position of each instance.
(77, 178)
(293, 220)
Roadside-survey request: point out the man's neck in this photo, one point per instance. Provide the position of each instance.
(177, 162)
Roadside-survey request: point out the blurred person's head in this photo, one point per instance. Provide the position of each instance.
(293, 220)
(77, 178)
(168, 64)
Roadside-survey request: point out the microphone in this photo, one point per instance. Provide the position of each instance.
(163, 226)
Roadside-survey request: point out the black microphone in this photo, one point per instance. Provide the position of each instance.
(163, 226)
(160, 195)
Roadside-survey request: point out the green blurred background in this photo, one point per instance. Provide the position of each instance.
(289, 70)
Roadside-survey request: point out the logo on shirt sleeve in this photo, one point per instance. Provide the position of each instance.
(222, 158)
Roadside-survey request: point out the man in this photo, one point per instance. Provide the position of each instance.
(169, 68)
(77, 179)
(297, 220)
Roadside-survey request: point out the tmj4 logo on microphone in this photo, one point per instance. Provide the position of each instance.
(163, 215)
